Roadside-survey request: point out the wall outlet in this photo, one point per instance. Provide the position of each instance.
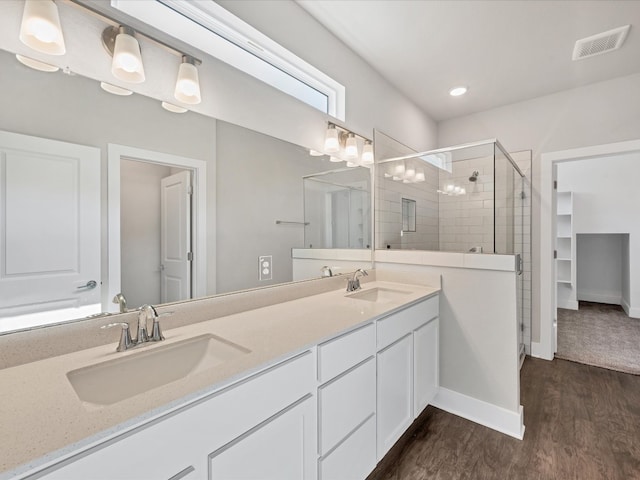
(265, 267)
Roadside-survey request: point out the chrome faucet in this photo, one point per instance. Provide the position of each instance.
(354, 283)
(121, 302)
(145, 313)
(326, 271)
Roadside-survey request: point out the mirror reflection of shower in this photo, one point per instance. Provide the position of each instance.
(337, 209)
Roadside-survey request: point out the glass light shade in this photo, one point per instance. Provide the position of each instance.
(40, 28)
(463, 191)
(188, 85)
(351, 147)
(334, 159)
(331, 141)
(410, 173)
(36, 64)
(449, 188)
(420, 175)
(107, 87)
(352, 164)
(127, 60)
(367, 153)
(456, 190)
(457, 91)
(173, 108)
(315, 153)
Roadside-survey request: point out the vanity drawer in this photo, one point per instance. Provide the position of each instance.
(345, 403)
(398, 324)
(342, 353)
(355, 457)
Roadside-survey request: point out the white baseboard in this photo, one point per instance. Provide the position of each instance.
(479, 411)
(568, 304)
(632, 312)
(611, 299)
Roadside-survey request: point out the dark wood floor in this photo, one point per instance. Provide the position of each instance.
(582, 423)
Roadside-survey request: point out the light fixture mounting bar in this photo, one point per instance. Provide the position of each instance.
(345, 132)
(115, 27)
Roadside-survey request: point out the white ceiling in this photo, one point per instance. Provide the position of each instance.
(504, 51)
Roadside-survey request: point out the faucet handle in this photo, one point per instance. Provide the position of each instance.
(156, 332)
(125, 335)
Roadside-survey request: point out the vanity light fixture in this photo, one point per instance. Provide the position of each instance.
(331, 139)
(351, 147)
(173, 108)
(457, 91)
(367, 153)
(40, 28)
(343, 144)
(123, 46)
(36, 64)
(115, 90)
(188, 85)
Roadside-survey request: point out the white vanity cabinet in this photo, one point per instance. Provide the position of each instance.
(347, 405)
(269, 418)
(407, 364)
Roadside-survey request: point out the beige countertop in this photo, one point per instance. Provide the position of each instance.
(43, 419)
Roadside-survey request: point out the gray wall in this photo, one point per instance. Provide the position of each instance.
(600, 113)
(259, 182)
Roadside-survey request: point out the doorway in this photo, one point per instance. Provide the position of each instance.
(157, 230)
(547, 346)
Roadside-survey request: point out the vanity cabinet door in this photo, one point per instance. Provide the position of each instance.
(425, 365)
(394, 392)
(281, 448)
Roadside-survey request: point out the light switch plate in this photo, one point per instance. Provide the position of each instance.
(265, 267)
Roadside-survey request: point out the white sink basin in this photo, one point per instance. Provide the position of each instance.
(115, 380)
(380, 295)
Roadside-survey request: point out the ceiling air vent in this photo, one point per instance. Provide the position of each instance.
(601, 43)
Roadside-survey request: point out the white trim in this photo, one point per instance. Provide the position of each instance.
(491, 416)
(356, 254)
(199, 238)
(568, 304)
(210, 28)
(547, 281)
(485, 261)
(536, 351)
(611, 299)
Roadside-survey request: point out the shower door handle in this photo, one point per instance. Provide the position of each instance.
(519, 264)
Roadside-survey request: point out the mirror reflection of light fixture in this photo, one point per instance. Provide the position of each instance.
(188, 85)
(121, 43)
(40, 28)
(36, 64)
(351, 147)
(367, 153)
(331, 139)
(170, 107)
(419, 175)
(353, 164)
(398, 172)
(334, 159)
(115, 90)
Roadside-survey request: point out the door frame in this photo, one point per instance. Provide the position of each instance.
(115, 153)
(548, 163)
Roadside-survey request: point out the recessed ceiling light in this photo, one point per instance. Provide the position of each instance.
(457, 91)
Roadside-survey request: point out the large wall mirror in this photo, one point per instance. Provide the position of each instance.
(129, 216)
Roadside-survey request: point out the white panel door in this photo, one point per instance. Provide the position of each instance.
(49, 226)
(425, 365)
(395, 392)
(175, 237)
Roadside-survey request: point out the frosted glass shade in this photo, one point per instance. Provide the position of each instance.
(331, 141)
(36, 64)
(170, 107)
(40, 28)
(127, 60)
(188, 84)
(351, 147)
(367, 154)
